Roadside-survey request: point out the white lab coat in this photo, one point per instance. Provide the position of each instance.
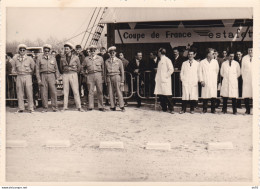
(230, 76)
(190, 77)
(208, 72)
(246, 72)
(163, 82)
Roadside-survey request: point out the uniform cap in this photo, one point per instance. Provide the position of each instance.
(112, 48)
(48, 46)
(69, 44)
(92, 47)
(22, 46)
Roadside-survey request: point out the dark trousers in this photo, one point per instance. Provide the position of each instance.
(234, 104)
(192, 104)
(240, 83)
(247, 105)
(138, 99)
(176, 84)
(205, 105)
(166, 102)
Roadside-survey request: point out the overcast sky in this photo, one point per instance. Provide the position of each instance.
(33, 23)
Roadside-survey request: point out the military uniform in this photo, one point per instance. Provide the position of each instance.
(47, 73)
(24, 67)
(93, 69)
(114, 79)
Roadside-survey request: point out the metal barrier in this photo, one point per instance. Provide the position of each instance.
(142, 84)
(128, 91)
(146, 85)
(11, 94)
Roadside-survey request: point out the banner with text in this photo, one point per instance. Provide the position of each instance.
(180, 35)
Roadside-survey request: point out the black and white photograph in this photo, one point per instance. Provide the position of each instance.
(129, 94)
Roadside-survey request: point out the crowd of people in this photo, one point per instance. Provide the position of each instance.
(82, 71)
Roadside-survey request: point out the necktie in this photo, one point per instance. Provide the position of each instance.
(230, 63)
(250, 59)
(190, 62)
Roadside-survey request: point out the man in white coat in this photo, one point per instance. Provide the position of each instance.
(230, 71)
(163, 82)
(208, 74)
(190, 78)
(246, 71)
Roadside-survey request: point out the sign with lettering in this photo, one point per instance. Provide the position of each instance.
(179, 35)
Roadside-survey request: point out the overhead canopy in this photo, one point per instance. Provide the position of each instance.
(141, 14)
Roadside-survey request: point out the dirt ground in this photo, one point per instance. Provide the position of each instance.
(189, 160)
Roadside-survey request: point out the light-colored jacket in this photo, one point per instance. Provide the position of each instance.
(208, 72)
(163, 83)
(230, 76)
(190, 77)
(246, 72)
(23, 65)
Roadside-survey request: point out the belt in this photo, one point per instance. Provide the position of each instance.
(92, 72)
(113, 75)
(47, 72)
(23, 74)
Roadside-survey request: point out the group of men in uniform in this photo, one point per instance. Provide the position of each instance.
(93, 68)
(108, 72)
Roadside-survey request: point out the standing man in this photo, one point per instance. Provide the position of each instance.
(163, 81)
(177, 63)
(239, 56)
(93, 69)
(81, 56)
(115, 79)
(136, 67)
(8, 77)
(224, 56)
(103, 53)
(127, 77)
(246, 71)
(10, 82)
(208, 74)
(152, 66)
(47, 74)
(53, 53)
(219, 76)
(190, 78)
(24, 67)
(230, 71)
(70, 66)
